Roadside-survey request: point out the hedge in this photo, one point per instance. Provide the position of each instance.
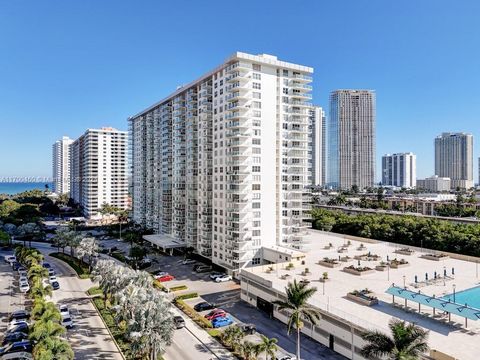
(178, 288)
(195, 316)
(80, 267)
(95, 290)
(186, 296)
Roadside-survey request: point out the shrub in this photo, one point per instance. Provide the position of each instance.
(95, 290)
(80, 267)
(195, 316)
(186, 296)
(178, 288)
(157, 284)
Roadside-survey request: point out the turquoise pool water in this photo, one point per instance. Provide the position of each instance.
(470, 296)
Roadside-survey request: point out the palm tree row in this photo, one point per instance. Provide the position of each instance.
(142, 312)
(232, 337)
(46, 330)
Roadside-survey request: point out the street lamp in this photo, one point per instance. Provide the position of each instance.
(453, 292)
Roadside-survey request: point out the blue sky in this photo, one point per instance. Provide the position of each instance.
(69, 65)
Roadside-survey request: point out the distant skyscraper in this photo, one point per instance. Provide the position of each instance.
(316, 146)
(351, 139)
(99, 170)
(399, 170)
(454, 158)
(61, 165)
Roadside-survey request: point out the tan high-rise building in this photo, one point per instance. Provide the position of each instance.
(454, 158)
(351, 139)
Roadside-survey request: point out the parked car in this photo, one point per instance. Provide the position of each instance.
(23, 279)
(223, 278)
(14, 323)
(14, 337)
(22, 327)
(145, 263)
(46, 265)
(9, 259)
(203, 306)
(22, 273)
(51, 272)
(222, 321)
(17, 347)
(215, 274)
(179, 322)
(215, 314)
(248, 329)
(64, 310)
(24, 287)
(188, 261)
(161, 273)
(15, 265)
(22, 355)
(55, 285)
(165, 278)
(67, 322)
(286, 357)
(203, 268)
(52, 279)
(20, 269)
(19, 315)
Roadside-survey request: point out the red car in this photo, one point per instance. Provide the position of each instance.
(165, 278)
(215, 314)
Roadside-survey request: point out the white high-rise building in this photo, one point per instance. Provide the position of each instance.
(61, 165)
(454, 158)
(316, 146)
(399, 170)
(99, 173)
(351, 139)
(220, 165)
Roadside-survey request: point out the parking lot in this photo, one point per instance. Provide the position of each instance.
(226, 295)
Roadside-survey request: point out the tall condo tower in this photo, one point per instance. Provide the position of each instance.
(316, 146)
(61, 165)
(220, 165)
(351, 139)
(454, 158)
(99, 173)
(399, 170)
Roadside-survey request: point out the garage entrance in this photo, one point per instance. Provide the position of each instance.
(265, 306)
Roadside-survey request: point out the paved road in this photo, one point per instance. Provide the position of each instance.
(89, 338)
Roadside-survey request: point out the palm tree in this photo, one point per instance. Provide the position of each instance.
(37, 272)
(38, 291)
(43, 330)
(122, 216)
(247, 350)
(408, 342)
(269, 346)
(53, 348)
(296, 303)
(42, 309)
(232, 336)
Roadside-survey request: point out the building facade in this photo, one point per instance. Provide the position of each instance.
(435, 183)
(221, 164)
(351, 139)
(454, 158)
(99, 172)
(399, 170)
(61, 165)
(317, 146)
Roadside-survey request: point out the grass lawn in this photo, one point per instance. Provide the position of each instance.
(80, 267)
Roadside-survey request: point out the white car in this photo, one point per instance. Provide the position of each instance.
(64, 311)
(16, 322)
(52, 279)
(23, 355)
(22, 273)
(67, 321)
(188, 261)
(10, 259)
(22, 279)
(24, 287)
(223, 278)
(161, 273)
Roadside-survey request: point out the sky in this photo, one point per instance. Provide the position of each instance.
(66, 66)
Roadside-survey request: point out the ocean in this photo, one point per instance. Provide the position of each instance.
(12, 188)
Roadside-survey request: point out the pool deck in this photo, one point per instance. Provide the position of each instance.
(448, 337)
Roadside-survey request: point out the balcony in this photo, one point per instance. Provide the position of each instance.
(237, 66)
(302, 78)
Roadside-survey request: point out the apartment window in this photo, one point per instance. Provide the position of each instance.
(256, 224)
(257, 86)
(256, 150)
(256, 160)
(257, 95)
(285, 91)
(256, 196)
(257, 214)
(256, 123)
(257, 113)
(255, 205)
(257, 76)
(255, 168)
(255, 186)
(257, 67)
(257, 104)
(256, 232)
(256, 142)
(285, 72)
(256, 178)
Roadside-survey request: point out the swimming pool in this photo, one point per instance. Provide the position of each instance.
(469, 296)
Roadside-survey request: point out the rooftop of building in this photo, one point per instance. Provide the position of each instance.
(451, 338)
(260, 59)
